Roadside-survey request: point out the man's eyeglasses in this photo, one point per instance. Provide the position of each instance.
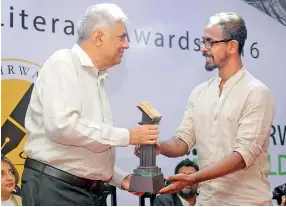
(209, 44)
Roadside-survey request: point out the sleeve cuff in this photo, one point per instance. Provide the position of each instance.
(118, 177)
(245, 156)
(123, 136)
(187, 141)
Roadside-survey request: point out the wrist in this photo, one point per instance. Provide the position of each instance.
(195, 177)
(130, 135)
(159, 147)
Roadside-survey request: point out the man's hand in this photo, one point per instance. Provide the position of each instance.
(126, 184)
(283, 200)
(179, 182)
(144, 134)
(137, 149)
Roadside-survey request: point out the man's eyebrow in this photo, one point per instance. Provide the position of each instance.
(207, 38)
(123, 35)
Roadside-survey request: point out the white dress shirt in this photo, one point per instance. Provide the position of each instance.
(184, 202)
(238, 120)
(69, 122)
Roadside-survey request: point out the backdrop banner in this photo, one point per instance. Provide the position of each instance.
(162, 66)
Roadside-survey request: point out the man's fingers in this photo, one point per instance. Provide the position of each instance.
(174, 178)
(152, 129)
(137, 194)
(154, 137)
(149, 142)
(168, 189)
(137, 148)
(178, 177)
(144, 141)
(150, 137)
(137, 153)
(152, 126)
(153, 132)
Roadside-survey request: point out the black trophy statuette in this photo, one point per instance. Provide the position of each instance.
(147, 177)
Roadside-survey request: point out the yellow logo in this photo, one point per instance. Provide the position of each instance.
(17, 81)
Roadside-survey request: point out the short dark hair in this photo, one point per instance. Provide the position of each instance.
(186, 163)
(233, 27)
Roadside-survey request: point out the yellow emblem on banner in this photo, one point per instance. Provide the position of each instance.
(17, 84)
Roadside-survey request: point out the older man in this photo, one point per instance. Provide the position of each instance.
(71, 139)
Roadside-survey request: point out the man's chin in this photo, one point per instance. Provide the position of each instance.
(187, 195)
(210, 67)
(116, 62)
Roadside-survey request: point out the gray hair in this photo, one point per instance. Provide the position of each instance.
(99, 15)
(233, 27)
(16, 174)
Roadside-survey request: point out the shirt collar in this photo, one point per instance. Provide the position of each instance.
(233, 79)
(184, 202)
(83, 57)
(87, 62)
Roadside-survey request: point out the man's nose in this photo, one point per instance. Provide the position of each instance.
(126, 44)
(203, 48)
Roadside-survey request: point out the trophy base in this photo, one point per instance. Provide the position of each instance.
(147, 183)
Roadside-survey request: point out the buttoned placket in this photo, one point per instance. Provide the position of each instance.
(102, 95)
(220, 97)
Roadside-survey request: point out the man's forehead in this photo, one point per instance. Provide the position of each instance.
(213, 31)
(119, 27)
(189, 169)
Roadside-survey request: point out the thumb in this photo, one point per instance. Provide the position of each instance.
(177, 177)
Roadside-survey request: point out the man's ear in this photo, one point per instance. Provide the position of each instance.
(233, 46)
(97, 37)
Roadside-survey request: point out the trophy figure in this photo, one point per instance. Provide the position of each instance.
(147, 177)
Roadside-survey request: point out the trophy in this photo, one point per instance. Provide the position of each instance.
(147, 177)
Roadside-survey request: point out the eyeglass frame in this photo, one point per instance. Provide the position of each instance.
(213, 42)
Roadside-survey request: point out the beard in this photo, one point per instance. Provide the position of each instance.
(188, 192)
(211, 64)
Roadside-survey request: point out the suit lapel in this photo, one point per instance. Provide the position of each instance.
(177, 200)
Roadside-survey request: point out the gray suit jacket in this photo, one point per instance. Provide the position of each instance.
(167, 200)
